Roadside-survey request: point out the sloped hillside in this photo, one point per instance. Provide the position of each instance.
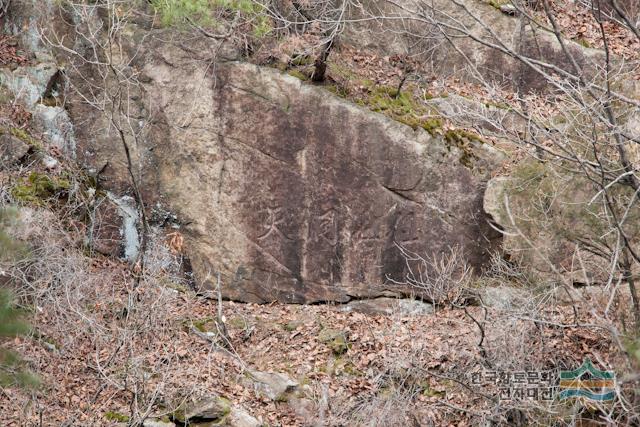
(335, 213)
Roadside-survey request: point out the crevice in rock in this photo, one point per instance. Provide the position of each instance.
(398, 193)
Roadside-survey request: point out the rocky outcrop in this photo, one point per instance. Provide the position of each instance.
(549, 219)
(289, 192)
(296, 195)
(272, 385)
(469, 41)
(207, 412)
(12, 149)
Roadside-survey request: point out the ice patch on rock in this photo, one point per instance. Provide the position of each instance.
(130, 236)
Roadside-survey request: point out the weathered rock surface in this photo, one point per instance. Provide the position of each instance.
(207, 412)
(273, 385)
(448, 50)
(212, 408)
(154, 422)
(389, 306)
(12, 149)
(295, 195)
(548, 241)
(241, 418)
(291, 193)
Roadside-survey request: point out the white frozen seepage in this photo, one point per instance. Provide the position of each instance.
(129, 213)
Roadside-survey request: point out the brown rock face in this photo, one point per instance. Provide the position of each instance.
(295, 195)
(289, 192)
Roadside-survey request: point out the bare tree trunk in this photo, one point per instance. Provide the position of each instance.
(320, 70)
(404, 79)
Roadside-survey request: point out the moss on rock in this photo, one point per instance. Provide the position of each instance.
(23, 136)
(39, 187)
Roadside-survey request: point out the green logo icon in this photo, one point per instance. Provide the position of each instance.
(587, 382)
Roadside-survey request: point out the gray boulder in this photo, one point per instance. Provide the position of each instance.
(273, 385)
(213, 408)
(12, 149)
(389, 306)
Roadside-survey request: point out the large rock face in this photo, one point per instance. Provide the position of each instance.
(296, 195)
(287, 191)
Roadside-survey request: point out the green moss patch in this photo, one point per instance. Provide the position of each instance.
(497, 4)
(298, 74)
(24, 136)
(39, 187)
(181, 13)
(116, 416)
(205, 324)
(335, 340)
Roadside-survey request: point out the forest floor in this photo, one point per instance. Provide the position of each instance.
(100, 364)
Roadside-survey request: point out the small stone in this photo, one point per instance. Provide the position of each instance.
(155, 422)
(503, 297)
(389, 306)
(49, 162)
(273, 385)
(509, 9)
(12, 149)
(241, 418)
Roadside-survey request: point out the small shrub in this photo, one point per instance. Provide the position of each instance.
(442, 279)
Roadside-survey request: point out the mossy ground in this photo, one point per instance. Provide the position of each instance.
(116, 416)
(298, 74)
(24, 136)
(39, 187)
(182, 13)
